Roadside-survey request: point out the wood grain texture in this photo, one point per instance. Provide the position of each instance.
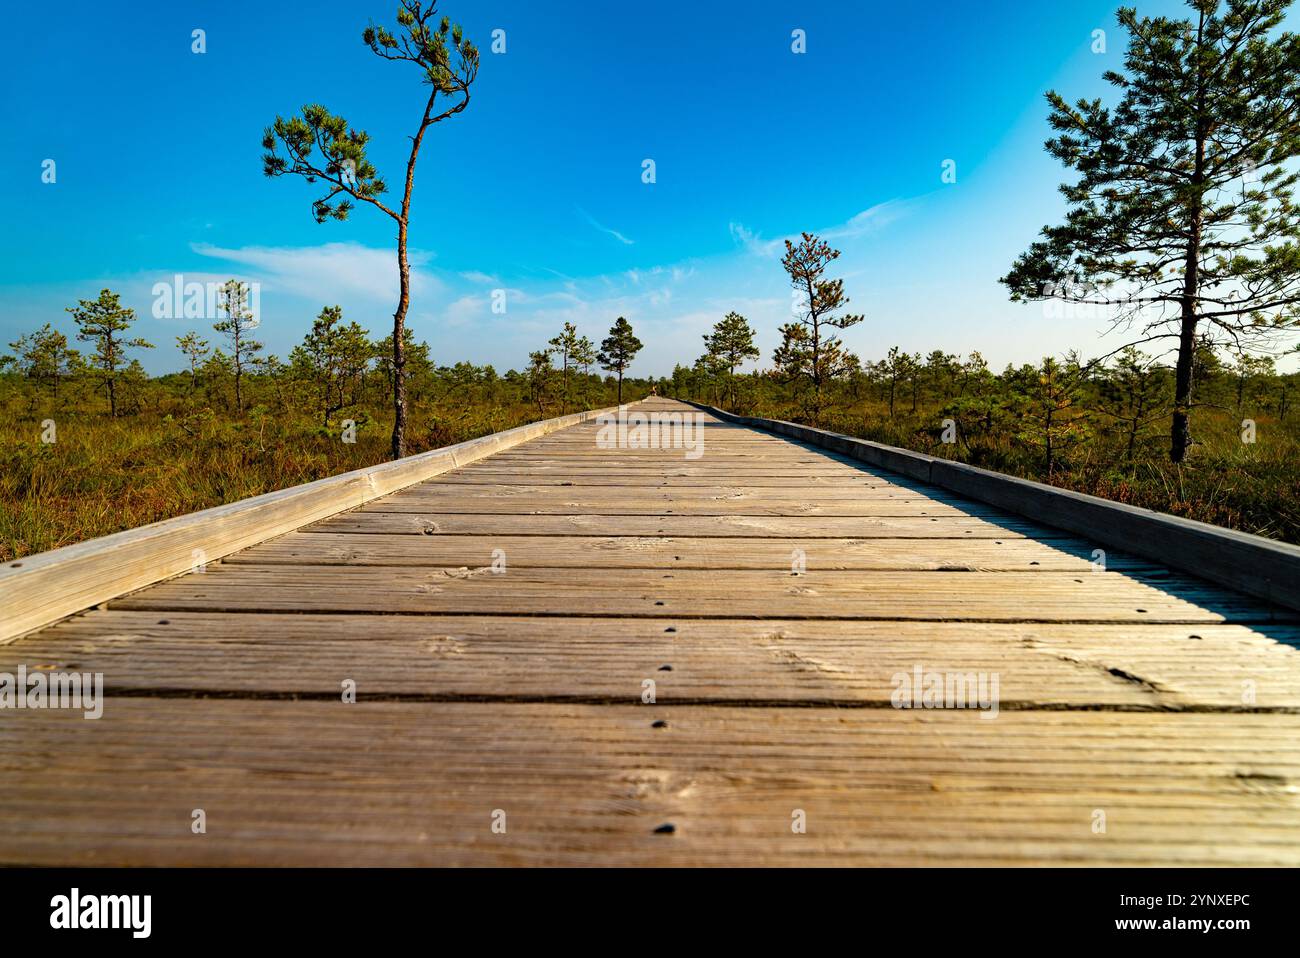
(693, 593)
(664, 500)
(1039, 665)
(325, 783)
(684, 552)
(769, 594)
(731, 526)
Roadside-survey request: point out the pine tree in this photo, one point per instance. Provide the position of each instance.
(895, 368)
(419, 364)
(618, 350)
(195, 351)
(731, 343)
(972, 373)
(233, 299)
(979, 406)
(942, 369)
(335, 357)
(565, 345)
(1051, 415)
(710, 370)
(809, 352)
(101, 321)
(342, 162)
(218, 373)
(1181, 218)
(1132, 392)
(540, 373)
(44, 357)
(1246, 371)
(583, 355)
(681, 381)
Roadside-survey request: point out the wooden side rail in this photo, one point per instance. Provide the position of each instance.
(40, 589)
(1252, 564)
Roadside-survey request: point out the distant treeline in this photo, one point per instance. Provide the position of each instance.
(90, 444)
(1101, 427)
(1054, 410)
(337, 372)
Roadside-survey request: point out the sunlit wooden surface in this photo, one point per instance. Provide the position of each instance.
(507, 625)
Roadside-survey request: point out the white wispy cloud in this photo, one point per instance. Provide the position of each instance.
(676, 273)
(871, 219)
(331, 271)
(605, 229)
(466, 311)
(860, 224)
(751, 241)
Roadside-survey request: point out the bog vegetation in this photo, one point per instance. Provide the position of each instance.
(1096, 427)
(90, 444)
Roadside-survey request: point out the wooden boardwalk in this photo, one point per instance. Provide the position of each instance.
(564, 654)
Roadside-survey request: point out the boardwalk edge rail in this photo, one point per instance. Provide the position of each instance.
(40, 589)
(1252, 564)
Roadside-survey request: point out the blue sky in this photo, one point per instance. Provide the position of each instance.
(537, 188)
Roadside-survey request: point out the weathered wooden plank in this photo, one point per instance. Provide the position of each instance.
(669, 458)
(667, 552)
(661, 460)
(938, 596)
(588, 448)
(1037, 665)
(763, 527)
(603, 493)
(569, 503)
(600, 493)
(867, 485)
(319, 783)
(795, 474)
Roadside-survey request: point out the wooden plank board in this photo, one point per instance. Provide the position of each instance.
(897, 595)
(673, 461)
(761, 527)
(326, 783)
(796, 473)
(433, 494)
(686, 552)
(1039, 665)
(656, 459)
(666, 504)
(462, 477)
